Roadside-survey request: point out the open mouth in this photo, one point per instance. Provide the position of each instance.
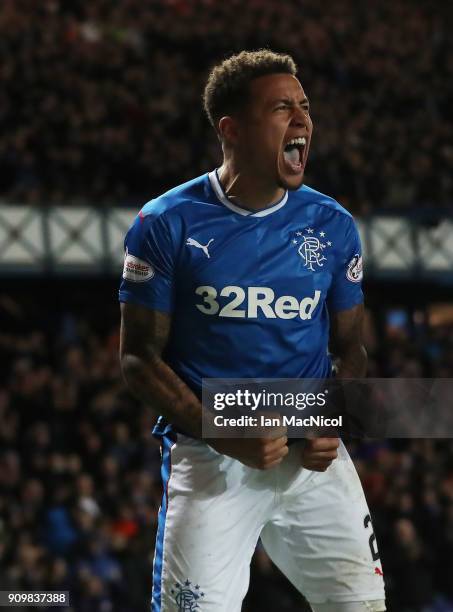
(293, 153)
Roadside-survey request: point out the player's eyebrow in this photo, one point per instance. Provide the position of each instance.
(291, 102)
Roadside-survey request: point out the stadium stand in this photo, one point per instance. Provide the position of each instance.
(100, 102)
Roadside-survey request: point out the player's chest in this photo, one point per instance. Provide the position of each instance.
(251, 263)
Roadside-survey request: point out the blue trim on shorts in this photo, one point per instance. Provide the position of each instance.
(167, 444)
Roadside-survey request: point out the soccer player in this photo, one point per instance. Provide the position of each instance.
(246, 272)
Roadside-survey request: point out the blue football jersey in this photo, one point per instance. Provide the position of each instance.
(249, 292)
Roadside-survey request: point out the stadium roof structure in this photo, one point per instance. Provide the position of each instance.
(60, 241)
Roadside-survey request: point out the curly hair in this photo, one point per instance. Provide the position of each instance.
(227, 87)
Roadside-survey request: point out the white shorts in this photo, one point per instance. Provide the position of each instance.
(315, 526)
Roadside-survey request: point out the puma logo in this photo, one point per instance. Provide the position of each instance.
(197, 245)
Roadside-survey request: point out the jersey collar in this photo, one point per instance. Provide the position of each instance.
(218, 190)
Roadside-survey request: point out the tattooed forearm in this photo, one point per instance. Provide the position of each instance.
(144, 335)
(352, 364)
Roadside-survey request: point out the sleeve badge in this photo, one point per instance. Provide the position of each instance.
(136, 270)
(354, 273)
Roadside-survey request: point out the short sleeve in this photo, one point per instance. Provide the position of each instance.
(346, 288)
(148, 264)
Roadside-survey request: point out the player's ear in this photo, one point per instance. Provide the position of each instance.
(228, 130)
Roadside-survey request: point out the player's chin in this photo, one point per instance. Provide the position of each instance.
(291, 181)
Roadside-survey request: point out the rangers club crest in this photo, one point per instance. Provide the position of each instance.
(187, 596)
(311, 246)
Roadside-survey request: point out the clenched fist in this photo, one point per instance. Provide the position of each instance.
(318, 453)
(258, 453)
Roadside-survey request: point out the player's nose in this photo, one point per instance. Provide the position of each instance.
(300, 118)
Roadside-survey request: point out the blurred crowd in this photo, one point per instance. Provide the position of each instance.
(80, 473)
(100, 102)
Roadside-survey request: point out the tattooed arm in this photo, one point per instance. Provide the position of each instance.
(144, 335)
(351, 359)
(346, 342)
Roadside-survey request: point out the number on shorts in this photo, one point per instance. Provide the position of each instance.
(372, 539)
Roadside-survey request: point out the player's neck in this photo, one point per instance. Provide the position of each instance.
(248, 191)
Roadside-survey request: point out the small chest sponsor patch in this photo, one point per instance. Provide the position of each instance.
(354, 272)
(136, 270)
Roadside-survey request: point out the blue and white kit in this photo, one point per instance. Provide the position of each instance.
(249, 294)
